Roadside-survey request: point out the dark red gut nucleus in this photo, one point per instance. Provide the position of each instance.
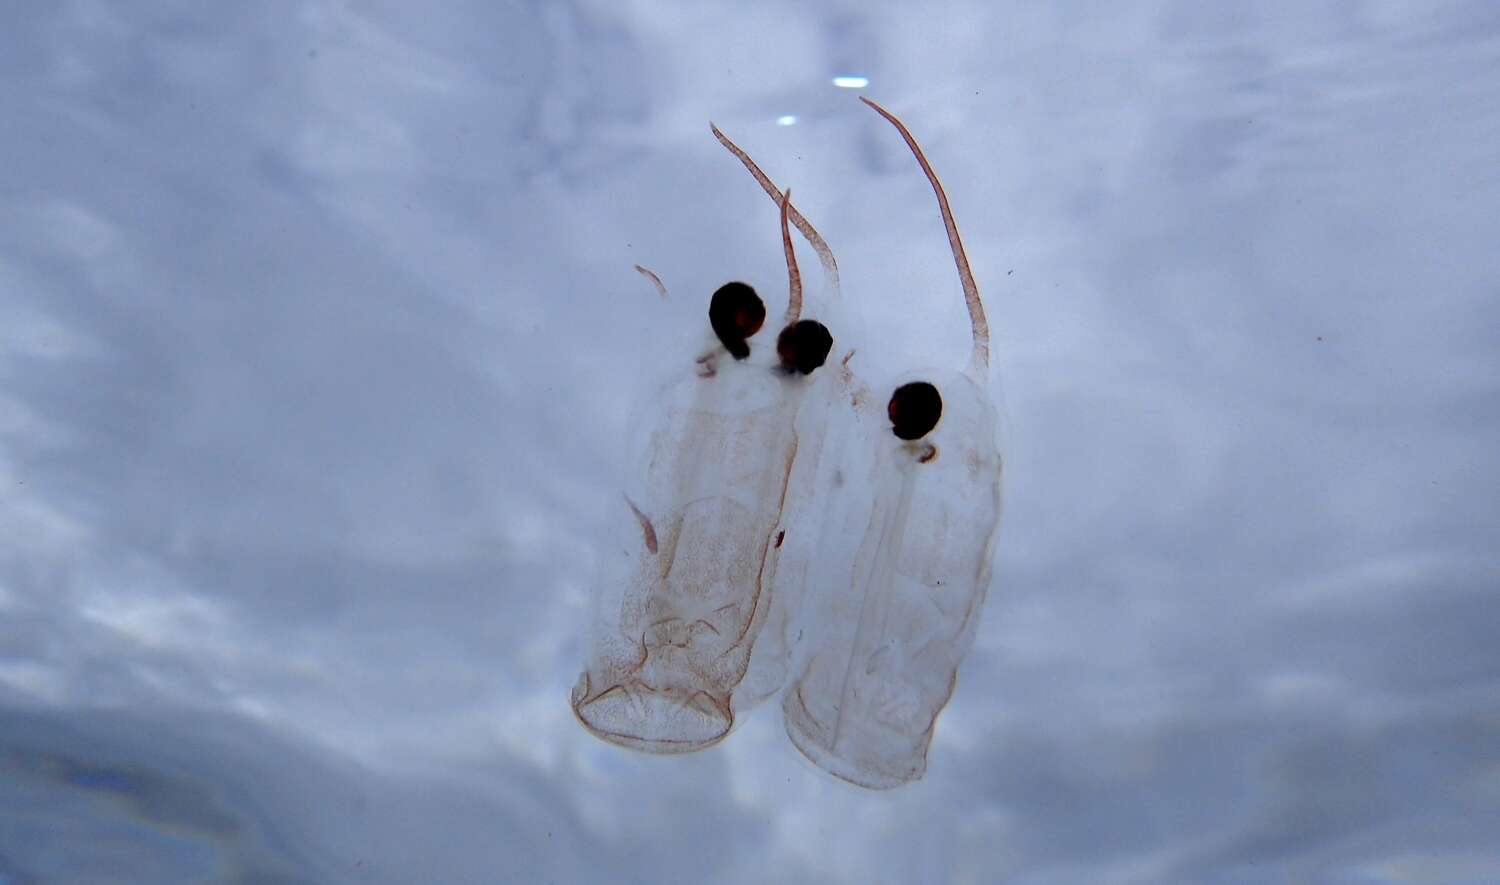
(736, 313)
(803, 346)
(914, 410)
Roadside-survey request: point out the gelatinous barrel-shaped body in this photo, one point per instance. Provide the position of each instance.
(892, 630)
(675, 634)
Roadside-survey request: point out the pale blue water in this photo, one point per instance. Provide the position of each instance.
(318, 345)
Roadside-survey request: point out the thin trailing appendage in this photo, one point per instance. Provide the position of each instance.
(793, 275)
(904, 561)
(648, 531)
(979, 360)
(655, 280)
(820, 245)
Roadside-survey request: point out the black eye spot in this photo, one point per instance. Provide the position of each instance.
(803, 346)
(736, 313)
(914, 410)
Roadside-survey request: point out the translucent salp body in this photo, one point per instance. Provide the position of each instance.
(674, 634)
(889, 629)
(675, 638)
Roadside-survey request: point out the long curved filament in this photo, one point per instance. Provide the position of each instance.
(655, 280)
(793, 275)
(803, 226)
(980, 359)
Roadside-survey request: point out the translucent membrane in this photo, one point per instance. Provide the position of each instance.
(676, 626)
(677, 629)
(888, 630)
(800, 530)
